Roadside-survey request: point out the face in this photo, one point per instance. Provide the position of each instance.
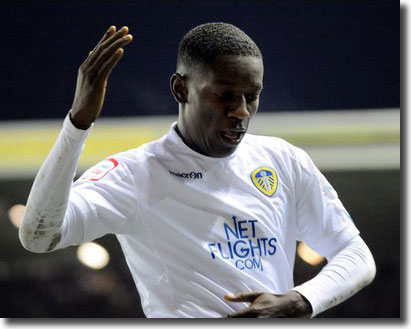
(217, 103)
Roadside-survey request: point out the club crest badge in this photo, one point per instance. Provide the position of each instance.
(265, 180)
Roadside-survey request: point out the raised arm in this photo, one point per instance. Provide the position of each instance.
(42, 225)
(93, 76)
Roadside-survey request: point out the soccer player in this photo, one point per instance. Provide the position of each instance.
(208, 216)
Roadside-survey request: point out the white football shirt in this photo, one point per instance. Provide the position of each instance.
(194, 228)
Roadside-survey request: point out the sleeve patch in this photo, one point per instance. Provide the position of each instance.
(100, 170)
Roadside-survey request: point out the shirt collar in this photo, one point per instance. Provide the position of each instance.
(178, 145)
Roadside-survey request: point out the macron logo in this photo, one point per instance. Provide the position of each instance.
(192, 175)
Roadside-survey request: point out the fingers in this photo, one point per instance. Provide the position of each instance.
(248, 312)
(106, 54)
(247, 296)
(109, 58)
(114, 36)
(108, 45)
(111, 30)
(111, 63)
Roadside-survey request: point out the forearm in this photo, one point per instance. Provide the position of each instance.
(47, 203)
(348, 272)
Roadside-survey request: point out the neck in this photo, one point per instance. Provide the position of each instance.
(185, 136)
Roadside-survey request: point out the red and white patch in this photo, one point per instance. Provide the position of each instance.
(100, 170)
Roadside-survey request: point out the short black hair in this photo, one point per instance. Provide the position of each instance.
(207, 41)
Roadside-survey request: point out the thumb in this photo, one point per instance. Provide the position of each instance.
(245, 296)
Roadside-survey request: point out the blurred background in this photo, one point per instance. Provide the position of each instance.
(331, 86)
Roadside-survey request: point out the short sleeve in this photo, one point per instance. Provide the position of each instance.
(322, 221)
(101, 201)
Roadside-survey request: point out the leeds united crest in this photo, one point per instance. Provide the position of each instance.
(265, 180)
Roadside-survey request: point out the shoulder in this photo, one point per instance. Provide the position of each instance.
(141, 156)
(123, 165)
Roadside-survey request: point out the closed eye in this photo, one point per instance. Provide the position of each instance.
(225, 96)
(251, 98)
(229, 96)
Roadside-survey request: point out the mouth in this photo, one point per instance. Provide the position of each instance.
(232, 136)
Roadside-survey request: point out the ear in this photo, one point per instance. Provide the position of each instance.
(179, 88)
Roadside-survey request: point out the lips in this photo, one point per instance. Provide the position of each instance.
(232, 136)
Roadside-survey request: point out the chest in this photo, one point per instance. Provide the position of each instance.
(223, 201)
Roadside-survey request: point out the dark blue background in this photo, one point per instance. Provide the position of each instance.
(318, 54)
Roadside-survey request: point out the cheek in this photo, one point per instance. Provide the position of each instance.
(205, 110)
(253, 109)
(210, 115)
(202, 116)
(211, 111)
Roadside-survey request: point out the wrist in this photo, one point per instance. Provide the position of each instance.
(302, 305)
(79, 122)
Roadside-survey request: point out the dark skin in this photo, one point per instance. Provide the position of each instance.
(269, 305)
(216, 104)
(93, 76)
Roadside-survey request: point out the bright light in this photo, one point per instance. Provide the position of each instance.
(93, 255)
(308, 255)
(16, 214)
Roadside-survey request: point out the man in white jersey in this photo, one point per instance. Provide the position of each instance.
(208, 216)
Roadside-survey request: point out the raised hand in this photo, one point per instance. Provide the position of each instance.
(268, 305)
(93, 76)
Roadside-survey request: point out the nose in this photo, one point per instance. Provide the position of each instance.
(239, 110)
